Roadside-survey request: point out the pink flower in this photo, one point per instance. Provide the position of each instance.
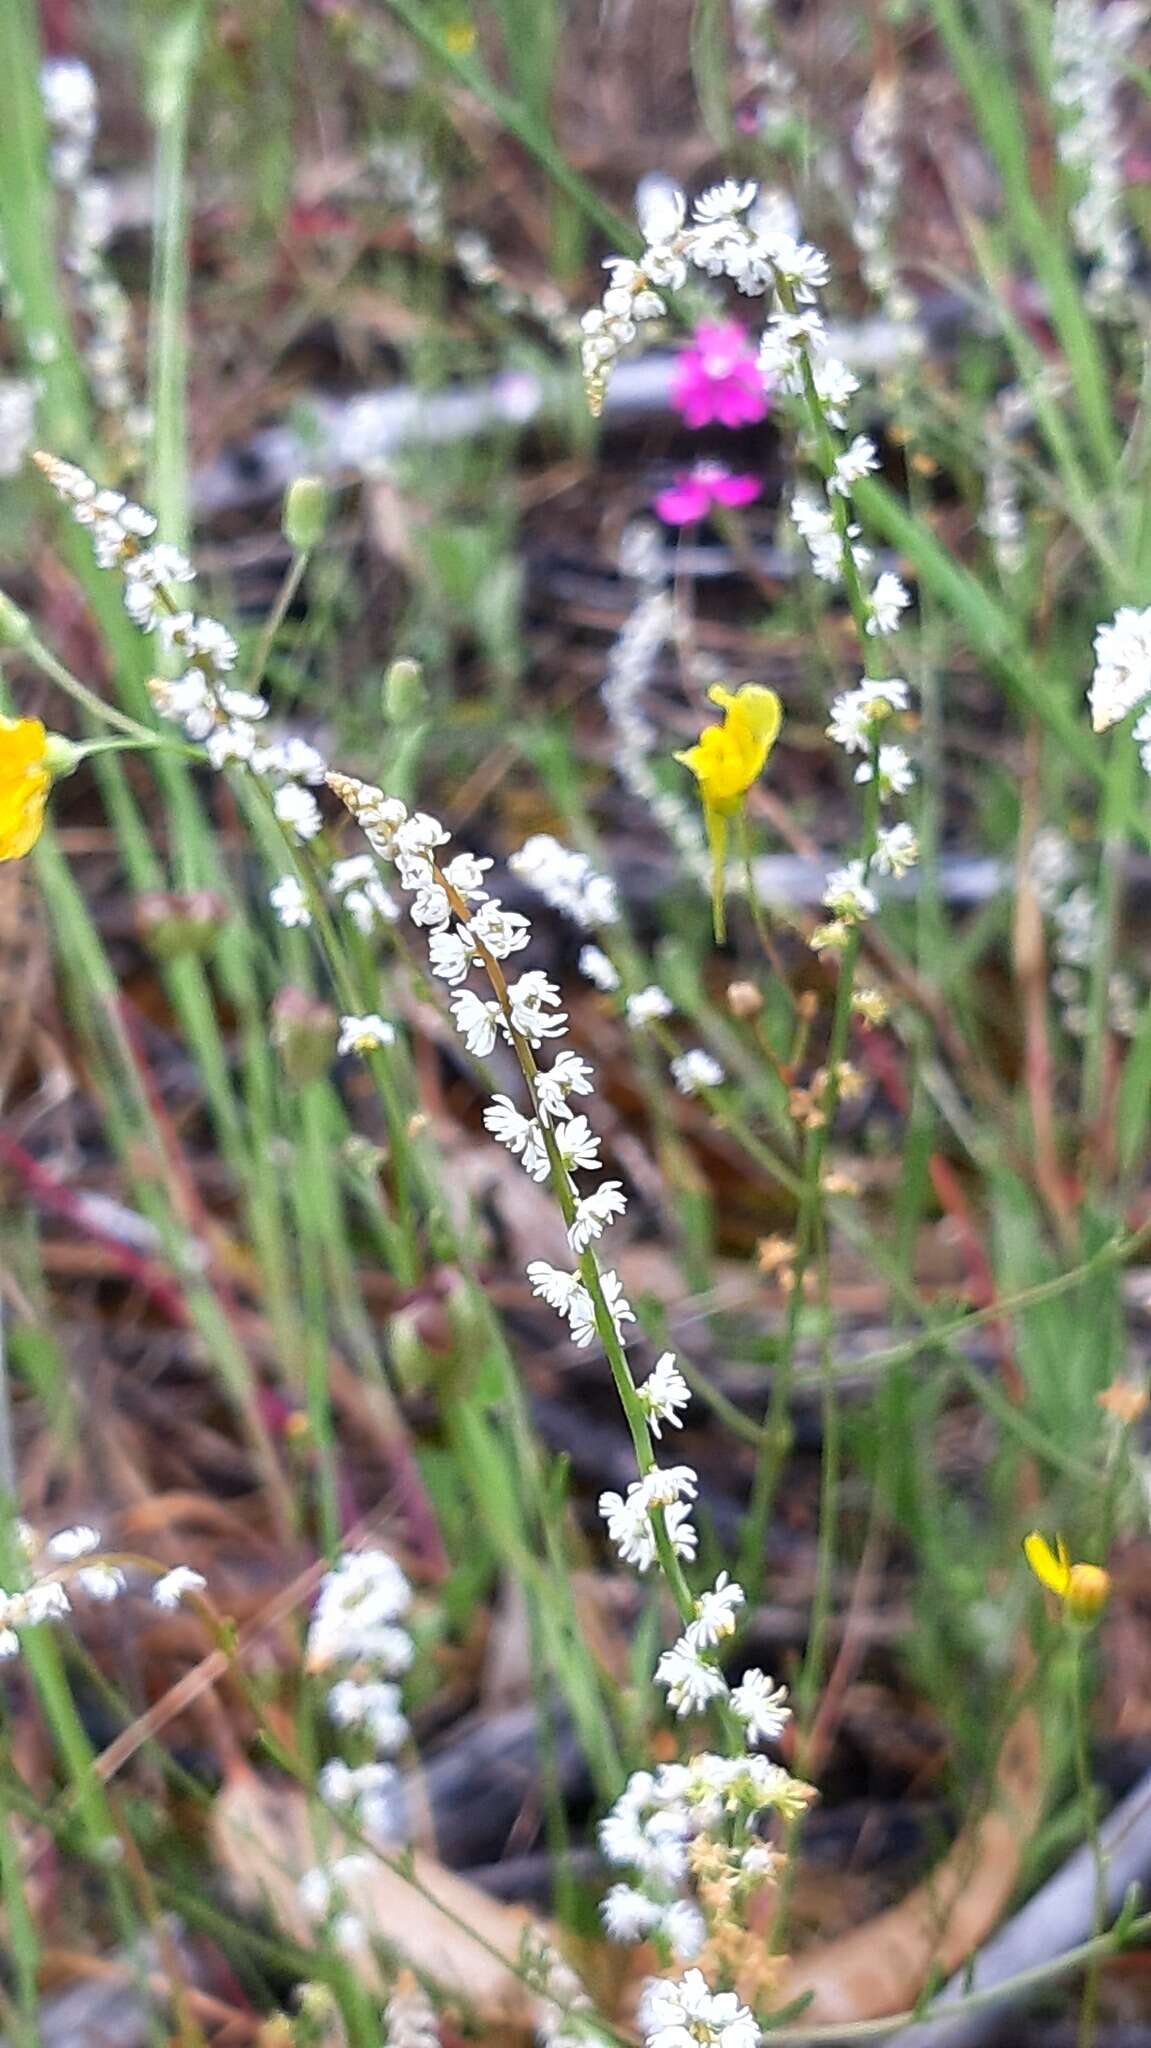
(695, 491)
(717, 378)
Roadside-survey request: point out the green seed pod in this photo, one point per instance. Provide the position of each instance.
(305, 514)
(405, 696)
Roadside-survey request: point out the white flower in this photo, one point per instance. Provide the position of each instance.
(557, 1288)
(419, 834)
(477, 1022)
(594, 1213)
(502, 931)
(370, 906)
(578, 1145)
(629, 1527)
(430, 906)
(855, 714)
(451, 955)
(358, 1604)
(896, 849)
(847, 895)
(364, 1034)
(530, 998)
(690, 1680)
(835, 384)
(507, 1124)
(857, 460)
(373, 1705)
(887, 601)
(664, 1393)
(230, 743)
(628, 1915)
(715, 1612)
(648, 1005)
(101, 1581)
(581, 1315)
(465, 872)
(722, 202)
(761, 1706)
(695, 1070)
(289, 900)
(684, 1926)
(896, 772)
(1122, 675)
(175, 1586)
(595, 966)
(566, 880)
(73, 1543)
(567, 1075)
(351, 874)
(688, 2014)
(297, 809)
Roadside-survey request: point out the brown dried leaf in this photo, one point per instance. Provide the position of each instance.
(883, 1966)
(453, 1934)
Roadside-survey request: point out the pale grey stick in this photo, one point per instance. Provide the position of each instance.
(1058, 1917)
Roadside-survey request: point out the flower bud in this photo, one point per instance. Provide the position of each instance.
(61, 756)
(303, 1032)
(744, 999)
(1088, 1591)
(176, 927)
(405, 695)
(305, 514)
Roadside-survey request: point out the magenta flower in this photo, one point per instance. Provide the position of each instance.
(718, 378)
(695, 491)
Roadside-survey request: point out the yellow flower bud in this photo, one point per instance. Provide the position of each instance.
(1082, 1589)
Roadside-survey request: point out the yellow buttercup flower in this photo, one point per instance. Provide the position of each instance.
(1083, 1589)
(726, 760)
(25, 780)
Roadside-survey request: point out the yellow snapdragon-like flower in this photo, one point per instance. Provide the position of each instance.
(1083, 1589)
(726, 760)
(25, 779)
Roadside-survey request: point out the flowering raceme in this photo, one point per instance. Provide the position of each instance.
(725, 760)
(718, 378)
(25, 779)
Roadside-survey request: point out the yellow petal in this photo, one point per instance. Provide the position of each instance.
(761, 709)
(1052, 1571)
(24, 785)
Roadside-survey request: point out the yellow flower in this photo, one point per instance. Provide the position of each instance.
(725, 760)
(1083, 1589)
(24, 783)
(728, 758)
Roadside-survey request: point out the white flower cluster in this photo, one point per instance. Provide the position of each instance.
(1122, 675)
(1074, 912)
(469, 930)
(877, 152)
(650, 625)
(356, 1627)
(771, 81)
(67, 1563)
(671, 1825)
(226, 721)
(71, 108)
(1088, 52)
(673, 2014)
(722, 238)
(566, 880)
(857, 720)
